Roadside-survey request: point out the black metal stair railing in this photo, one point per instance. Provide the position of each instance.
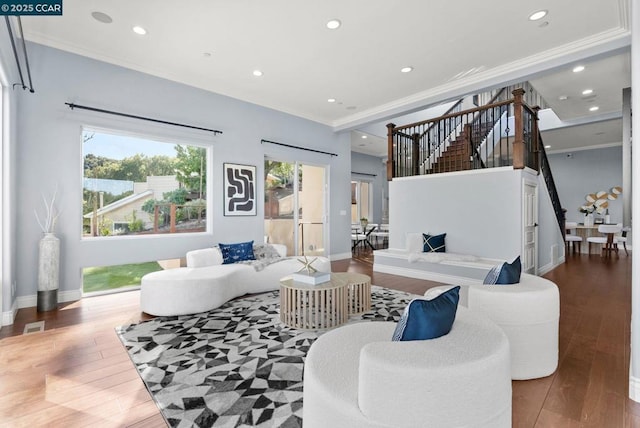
(545, 170)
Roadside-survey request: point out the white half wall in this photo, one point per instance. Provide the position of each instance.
(480, 211)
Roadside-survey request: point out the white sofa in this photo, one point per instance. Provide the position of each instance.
(355, 376)
(206, 283)
(528, 313)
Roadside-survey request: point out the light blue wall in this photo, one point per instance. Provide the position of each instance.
(49, 153)
(366, 164)
(587, 171)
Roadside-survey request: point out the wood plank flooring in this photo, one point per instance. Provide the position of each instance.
(76, 372)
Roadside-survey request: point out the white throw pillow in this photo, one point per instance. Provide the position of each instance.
(413, 242)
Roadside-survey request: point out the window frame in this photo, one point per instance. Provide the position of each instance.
(168, 138)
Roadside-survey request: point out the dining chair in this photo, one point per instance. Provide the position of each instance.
(623, 238)
(608, 241)
(382, 232)
(570, 238)
(357, 236)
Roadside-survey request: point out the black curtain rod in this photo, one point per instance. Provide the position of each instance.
(364, 173)
(299, 148)
(15, 54)
(133, 116)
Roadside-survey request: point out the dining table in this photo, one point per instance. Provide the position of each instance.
(587, 232)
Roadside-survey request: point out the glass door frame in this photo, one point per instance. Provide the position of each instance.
(296, 202)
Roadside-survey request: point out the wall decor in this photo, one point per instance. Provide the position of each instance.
(239, 190)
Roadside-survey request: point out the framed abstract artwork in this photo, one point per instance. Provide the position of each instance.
(239, 190)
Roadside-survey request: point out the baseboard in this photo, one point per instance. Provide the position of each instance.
(63, 297)
(9, 316)
(422, 274)
(634, 388)
(340, 256)
(550, 266)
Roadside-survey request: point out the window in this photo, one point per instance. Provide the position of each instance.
(360, 201)
(139, 186)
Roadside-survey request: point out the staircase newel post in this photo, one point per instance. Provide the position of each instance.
(536, 139)
(518, 142)
(415, 154)
(390, 159)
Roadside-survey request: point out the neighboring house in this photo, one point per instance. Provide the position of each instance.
(120, 213)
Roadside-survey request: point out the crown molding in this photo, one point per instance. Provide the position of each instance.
(513, 72)
(580, 149)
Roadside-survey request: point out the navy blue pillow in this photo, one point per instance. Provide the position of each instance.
(232, 253)
(506, 273)
(433, 243)
(427, 319)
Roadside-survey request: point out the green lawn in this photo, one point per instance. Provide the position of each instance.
(104, 278)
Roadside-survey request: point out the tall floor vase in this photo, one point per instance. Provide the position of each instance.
(48, 272)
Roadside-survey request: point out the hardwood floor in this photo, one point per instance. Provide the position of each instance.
(76, 372)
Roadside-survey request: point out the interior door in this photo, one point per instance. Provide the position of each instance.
(530, 227)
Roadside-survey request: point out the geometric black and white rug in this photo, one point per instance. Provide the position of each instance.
(234, 366)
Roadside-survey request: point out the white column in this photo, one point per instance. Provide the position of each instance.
(634, 375)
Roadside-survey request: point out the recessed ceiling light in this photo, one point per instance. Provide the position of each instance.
(102, 17)
(333, 24)
(406, 69)
(331, 100)
(587, 92)
(206, 54)
(547, 147)
(257, 73)
(578, 69)
(594, 108)
(139, 30)
(543, 24)
(364, 137)
(563, 97)
(537, 15)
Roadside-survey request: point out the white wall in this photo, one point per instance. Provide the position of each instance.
(550, 240)
(481, 212)
(49, 152)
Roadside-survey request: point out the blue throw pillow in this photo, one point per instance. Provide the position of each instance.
(433, 243)
(506, 273)
(427, 319)
(232, 253)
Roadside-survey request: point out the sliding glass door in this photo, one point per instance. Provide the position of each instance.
(294, 210)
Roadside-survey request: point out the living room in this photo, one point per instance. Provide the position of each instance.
(42, 147)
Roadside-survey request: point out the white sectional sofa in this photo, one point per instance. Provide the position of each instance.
(355, 376)
(206, 283)
(528, 313)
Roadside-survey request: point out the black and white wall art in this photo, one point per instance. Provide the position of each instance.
(239, 190)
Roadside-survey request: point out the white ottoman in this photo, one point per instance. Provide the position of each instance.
(355, 376)
(529, 314)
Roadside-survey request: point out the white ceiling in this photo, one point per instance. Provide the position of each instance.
(216, 45)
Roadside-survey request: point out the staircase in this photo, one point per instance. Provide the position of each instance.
(503, 132)
(456, 157)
